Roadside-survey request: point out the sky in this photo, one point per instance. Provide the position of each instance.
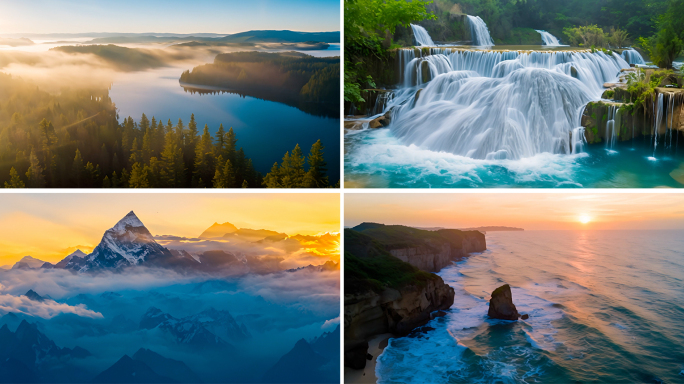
(50, 226)
(168, 16)
(531, 211)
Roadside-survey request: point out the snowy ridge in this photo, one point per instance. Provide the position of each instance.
(126, 243)
(130, 220)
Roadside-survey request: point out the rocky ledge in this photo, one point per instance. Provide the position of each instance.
(395, 311)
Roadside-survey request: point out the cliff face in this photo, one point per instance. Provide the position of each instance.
(633, 121)
(396, 311)
(388, 287)
(437, 254)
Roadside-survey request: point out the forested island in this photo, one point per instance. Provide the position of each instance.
(74, 140)
(296, 79)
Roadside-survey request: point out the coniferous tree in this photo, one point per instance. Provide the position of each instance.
(316, 175)
(92, 175)
(35, 176)
(292, 169)
(106, 183)
(224, 177)
(273, 179)
(115, 181)
(136, 156)
(221, 142)
(204, 156)
(190, 146)
(138, 177)
(231, 145)
(15, 180)
(172, 170)
(77, 168)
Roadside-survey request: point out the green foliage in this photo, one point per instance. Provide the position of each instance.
(667, 44)
(74, 139)
(586, 36)
(292, 173)
(15, 181)
(376, 269)
(367, 24)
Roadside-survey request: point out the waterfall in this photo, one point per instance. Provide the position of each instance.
(422, 36)
(499, 105)
(479, 32)
(631, 56)
(549, 39)
(612, 126)
(658, 116)
(670, 109)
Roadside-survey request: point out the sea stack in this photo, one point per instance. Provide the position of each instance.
(501, 304)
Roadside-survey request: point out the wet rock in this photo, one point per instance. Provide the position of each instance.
(525, 316)
(382, 121)
(369, 356)
(437, 314)
(355, 353)
(501, 304)
(573, 72)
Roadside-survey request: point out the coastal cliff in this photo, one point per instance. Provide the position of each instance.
(428, 251)
(388, 284)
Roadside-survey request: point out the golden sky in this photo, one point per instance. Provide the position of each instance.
(50, 226)
(531, 211)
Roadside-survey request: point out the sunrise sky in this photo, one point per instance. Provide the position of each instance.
(531, 211)
(168, 16)
(50, 226)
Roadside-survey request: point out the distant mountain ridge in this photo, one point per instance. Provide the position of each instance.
(259, 36)
(129, 244)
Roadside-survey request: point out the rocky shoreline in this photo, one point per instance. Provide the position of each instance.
(400, 309)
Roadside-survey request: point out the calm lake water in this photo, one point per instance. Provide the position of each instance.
(604, 306)
(265, 129)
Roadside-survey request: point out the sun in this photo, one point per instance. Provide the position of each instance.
(584, 219)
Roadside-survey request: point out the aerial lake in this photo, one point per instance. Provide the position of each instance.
(265, 129)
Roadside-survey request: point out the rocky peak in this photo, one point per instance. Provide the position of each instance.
(126, 243)
(32, 295)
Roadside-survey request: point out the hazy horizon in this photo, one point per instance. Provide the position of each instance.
(173, 16)
(538, 211)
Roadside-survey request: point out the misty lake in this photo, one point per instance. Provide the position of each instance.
(265, 129)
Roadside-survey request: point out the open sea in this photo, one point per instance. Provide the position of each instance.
(604, 306)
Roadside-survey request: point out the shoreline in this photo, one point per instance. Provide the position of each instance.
(376, 346)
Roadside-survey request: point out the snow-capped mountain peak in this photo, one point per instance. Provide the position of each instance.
(126, 243)
(130, 220)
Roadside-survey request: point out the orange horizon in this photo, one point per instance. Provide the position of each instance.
(51, 226)
(535, 211)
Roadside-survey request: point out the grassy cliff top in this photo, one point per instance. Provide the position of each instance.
(369, 266)
(399, 236)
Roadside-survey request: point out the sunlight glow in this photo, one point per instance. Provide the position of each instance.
(585, 219)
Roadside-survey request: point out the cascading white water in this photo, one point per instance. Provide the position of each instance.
(499, 105)
(549, 39)
(658, 121)
(422, 36)
(612, 125)
(479, 32)
(631, 56)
